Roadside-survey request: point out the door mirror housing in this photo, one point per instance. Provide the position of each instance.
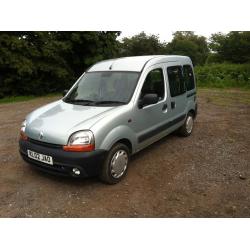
(148, 99)
(65, 92)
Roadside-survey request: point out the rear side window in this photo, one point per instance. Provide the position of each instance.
(154, 84)
(188, 77)
(176, 81)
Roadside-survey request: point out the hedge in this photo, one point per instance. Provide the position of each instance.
(223, 75)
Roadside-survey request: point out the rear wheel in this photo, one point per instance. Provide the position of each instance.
(187, 128)
(116, 164)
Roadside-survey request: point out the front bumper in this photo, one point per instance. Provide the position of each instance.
(88, 163)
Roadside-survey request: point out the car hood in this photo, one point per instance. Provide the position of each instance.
(58, 120)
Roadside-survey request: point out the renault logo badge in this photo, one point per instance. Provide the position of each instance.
(41, 135)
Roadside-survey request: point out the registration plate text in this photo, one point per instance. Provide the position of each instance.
(40, 157)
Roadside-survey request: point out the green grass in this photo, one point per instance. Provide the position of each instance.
(13, 99)
(224, 85)
(226, 97)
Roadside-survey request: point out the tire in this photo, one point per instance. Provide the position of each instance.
(187, 128)
(112, 170)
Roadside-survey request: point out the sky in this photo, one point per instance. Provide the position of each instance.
(165, 35)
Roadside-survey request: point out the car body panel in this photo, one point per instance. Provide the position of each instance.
(59, 120)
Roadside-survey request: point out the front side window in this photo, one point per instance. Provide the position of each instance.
(176, 81)
(104, 88)
(154, 84)
(188, 77)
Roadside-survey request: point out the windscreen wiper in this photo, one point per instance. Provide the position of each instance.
(79, 101)
(109, 102)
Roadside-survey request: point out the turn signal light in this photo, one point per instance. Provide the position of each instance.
(23, 136)
(79, 148)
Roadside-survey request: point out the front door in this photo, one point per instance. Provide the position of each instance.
(149, 122)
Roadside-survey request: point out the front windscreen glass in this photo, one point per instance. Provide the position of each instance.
(96, 88)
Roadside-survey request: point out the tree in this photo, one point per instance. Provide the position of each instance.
(45, 62)
(188, 44)
(232, 47)
(142, 44)
(32, 63)
(14, 65)
(87, 48)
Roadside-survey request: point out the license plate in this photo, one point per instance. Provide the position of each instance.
(40, 157)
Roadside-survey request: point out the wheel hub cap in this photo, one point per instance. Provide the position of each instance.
(189, 124)
(119, 163)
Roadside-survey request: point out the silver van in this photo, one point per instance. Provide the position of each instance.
(115, 109)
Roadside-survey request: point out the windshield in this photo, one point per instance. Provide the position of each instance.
(96, 88)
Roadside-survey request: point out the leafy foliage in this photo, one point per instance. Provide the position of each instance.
(183, 43)
(142, 44)
(233, 47)
(45, 62)
(188, 44)
(223, 75)
(87, 48)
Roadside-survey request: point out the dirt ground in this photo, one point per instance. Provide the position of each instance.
(204, 175)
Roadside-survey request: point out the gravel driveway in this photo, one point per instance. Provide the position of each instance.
(204, 175)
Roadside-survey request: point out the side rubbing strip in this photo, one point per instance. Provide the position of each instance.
(159, 129)
(191, 94)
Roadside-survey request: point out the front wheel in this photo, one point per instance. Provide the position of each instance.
(187, 128)
(116, 164)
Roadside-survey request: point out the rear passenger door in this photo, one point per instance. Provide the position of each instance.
(177, 93)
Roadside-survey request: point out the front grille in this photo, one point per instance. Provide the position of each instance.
(46, 144)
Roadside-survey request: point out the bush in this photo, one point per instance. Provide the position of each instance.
(223, 75)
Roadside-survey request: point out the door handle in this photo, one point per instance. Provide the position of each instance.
(165, 106)
(173, 105)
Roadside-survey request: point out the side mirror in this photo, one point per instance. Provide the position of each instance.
(148, 99)
(65, 92)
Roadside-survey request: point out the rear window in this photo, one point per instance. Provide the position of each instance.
(188, 77)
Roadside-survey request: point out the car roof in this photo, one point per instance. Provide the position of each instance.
(136, 63)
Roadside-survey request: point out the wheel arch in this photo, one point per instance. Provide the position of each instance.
(121, 134)
(193, 112)
(126, 142)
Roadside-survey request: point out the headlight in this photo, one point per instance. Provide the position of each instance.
(81, 141)
(23, 136)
